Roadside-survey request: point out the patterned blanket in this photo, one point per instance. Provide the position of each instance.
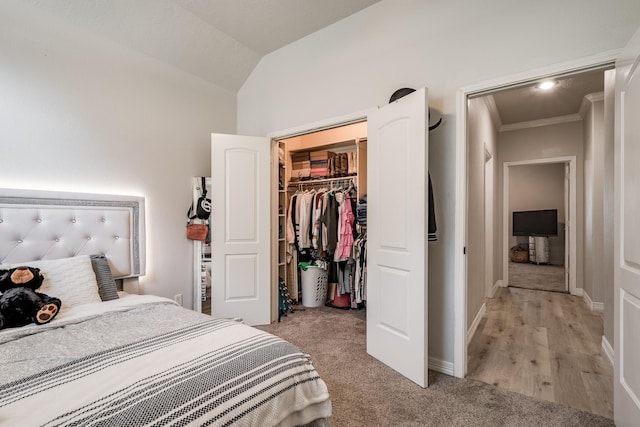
(207, 372)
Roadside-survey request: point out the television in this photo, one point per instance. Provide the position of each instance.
(535, 223)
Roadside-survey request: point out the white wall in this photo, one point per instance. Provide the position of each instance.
(357, 63)
(482, 134)
(594, 164)
(79, 113)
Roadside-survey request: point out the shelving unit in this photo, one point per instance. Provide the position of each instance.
(201, 260)
(282, 224)
(278, 225)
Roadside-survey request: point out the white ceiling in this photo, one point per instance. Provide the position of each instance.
(527, 105)
(220, 41)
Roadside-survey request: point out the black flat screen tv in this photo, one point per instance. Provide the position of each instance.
(535, 223)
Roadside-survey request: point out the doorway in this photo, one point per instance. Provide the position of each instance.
(463, 315)
(530, 185)
(538, 147)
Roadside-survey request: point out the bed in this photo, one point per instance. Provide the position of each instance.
(114, 358)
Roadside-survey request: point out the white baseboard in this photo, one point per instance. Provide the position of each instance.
(587, 300)
(441, 366)
(499, 284)
(607, 350)
(476, 322)
(593, 306)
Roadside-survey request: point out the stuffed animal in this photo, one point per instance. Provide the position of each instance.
(20, 304)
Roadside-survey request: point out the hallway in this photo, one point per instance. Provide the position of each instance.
(545, 345)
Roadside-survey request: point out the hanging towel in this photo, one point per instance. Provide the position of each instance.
(432, 236)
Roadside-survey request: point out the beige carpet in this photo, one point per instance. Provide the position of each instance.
(542, 277)
(365, 392)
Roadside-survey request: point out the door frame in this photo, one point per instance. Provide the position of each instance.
(489, 223)
(601, 60)
(572, 161)
(333, 122)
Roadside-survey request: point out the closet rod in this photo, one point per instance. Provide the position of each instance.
(312, 182)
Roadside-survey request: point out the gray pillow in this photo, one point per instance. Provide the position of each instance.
(107, 287)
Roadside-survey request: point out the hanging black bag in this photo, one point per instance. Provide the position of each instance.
(200, 211)
(202, 207)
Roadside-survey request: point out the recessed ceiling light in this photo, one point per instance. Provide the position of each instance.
(546, 85)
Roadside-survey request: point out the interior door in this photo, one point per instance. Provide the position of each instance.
(627, 238)
(567, 224)
(397, 236)
(240, 222)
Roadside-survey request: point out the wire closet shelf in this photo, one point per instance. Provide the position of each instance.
(344, 182)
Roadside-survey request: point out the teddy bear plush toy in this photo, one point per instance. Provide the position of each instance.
(20, 304)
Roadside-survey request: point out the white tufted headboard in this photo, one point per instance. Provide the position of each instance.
(37, 225)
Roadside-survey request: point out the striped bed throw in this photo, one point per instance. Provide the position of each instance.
(212, 373)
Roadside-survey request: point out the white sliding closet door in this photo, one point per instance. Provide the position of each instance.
(240, 235)
(397, 201)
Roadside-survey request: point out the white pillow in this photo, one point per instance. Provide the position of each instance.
(70, 279)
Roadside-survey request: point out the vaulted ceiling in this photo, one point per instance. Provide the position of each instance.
(220, 41)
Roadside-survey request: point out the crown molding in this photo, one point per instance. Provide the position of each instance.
(542, 122)
(588, 100)
(490, 102)
(595, 97)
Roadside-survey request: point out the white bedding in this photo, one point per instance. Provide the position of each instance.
(142, 360)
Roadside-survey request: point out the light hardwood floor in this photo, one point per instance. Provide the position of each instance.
(544, 277)
(546, 345)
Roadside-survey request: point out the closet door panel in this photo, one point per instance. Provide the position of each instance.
(242, 194)
(240, 235)
(241, 278)
(394, 291)
(397, 236)
(392, 189)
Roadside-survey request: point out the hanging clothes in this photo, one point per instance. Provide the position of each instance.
(361, 210)
(432, 229)
(345, 227)
(330, 219)
(321, 228)
(316, 228)
(291, 232)
(360, 275)
(345, 276)
(305, 211)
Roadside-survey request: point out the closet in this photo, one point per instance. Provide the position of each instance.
(328, 162)
(248, 253)
(285, 183)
